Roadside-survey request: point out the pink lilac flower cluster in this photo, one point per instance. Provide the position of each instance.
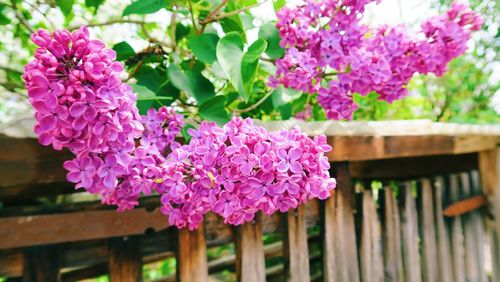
(329, 52)
(81, 104)
(236, 170)
(240, 169)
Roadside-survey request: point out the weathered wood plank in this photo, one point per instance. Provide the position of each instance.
(412, 168)
(344, 226)
(328, 239)
(295, 248)
(409, 236)
(427, 232)
(25, 230)
(191, 256)
(472, 261)
(489, 170)
(393, 261)
(442, 242)
(250, 262)
(455, 233)
(41, 264)
(478, 224)
(370, 253)
(125, 260)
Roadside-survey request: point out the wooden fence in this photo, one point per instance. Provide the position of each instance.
(422, 205)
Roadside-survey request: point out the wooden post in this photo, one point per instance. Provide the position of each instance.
(125, 259)
(409, 236)
(372, 269)
(295, 249)
(191, 256)
(393, 260)
(456, 234)
(489, 170)
(442, 242)
(41, 264)
(328, 237)
(427, 232)
(250, 261)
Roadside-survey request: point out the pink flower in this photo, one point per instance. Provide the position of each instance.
(289, 160)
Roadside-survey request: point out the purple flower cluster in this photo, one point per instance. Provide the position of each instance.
(324, 39)
(236, 170)
(81, 104)
(240, 169)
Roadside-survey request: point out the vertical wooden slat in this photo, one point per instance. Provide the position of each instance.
(295, 249)
(409, 236)
(427, 232)
(456, 233)
(191, 256)
(125, 260)
(473, 237)
(443, 244)
(489, 170)
(370, 254)
(479, 226)
(41, 264)
(328, 238)
(393, 261)
(250, 261)
(348, 269)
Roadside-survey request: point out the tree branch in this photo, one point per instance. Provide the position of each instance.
(20, 17)
(110, 22)
(231, 13)
(9, 69)
(252, 107)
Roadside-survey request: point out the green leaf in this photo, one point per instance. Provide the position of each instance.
(229, 55)
(185, 134)
(192, 82)
(123, 51)
(3, 19)
(285, 111)
(168, 90)
(142, 7)
(282, 96)
(249, 64)
(147, 99)
(94, 3)
(214, 110)
(278, 4)
(204, 47)
(181, 31)
(150, 78)
(270, 33)
(66, 6)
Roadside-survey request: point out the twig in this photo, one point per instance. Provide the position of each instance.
(231, 13)
(8, 69)
(41, 13)
(236, 111)
(172, 30)
(20, 17)
(267, 59)
(192, 17)
(134, 71)
(110, 22)
(211, 14)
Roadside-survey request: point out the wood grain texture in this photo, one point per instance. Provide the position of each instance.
(21, 231)
(443, 245)
(489, 172)
(250, 262)
(370, 253)
(391, 239)
(41, 264)
(295, 248)
(328, 239)
(427, 232)
(191, 256)
(125, 260)
(455, 232)
(409, 236)
(346, 242)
